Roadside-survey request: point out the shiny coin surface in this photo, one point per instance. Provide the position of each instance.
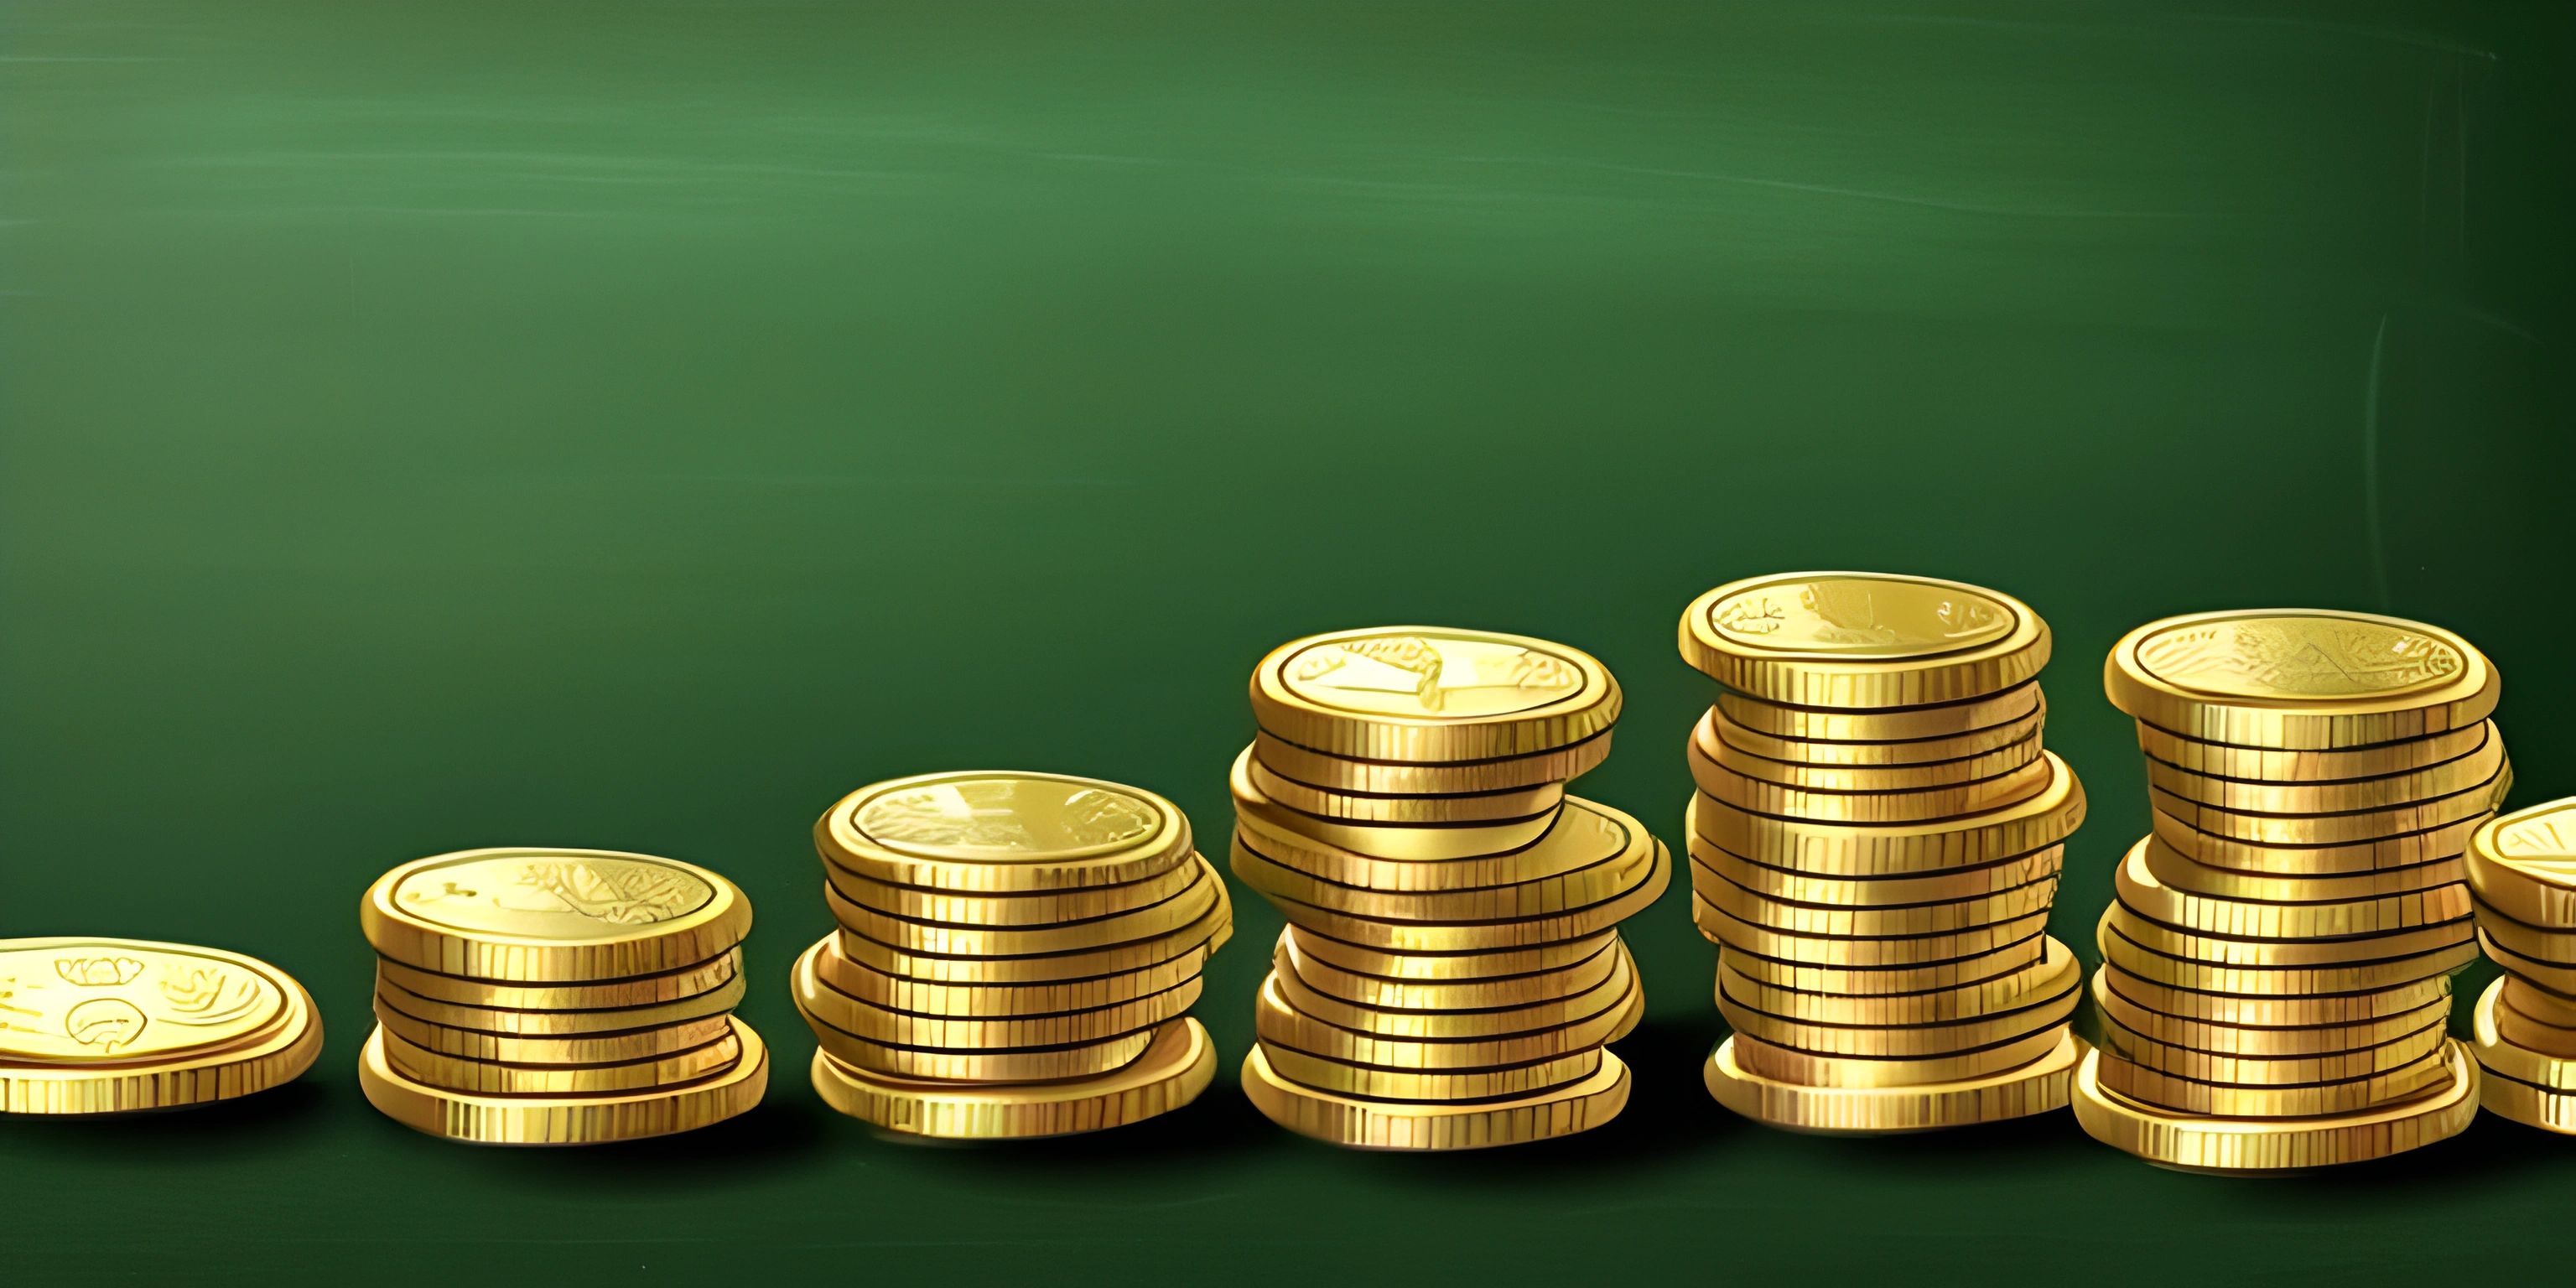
(1764, 943)
(554, 916)
(1889, 981)
(2446, 841)
(637, 990)
(1583, 834)
(1858, 639)
(1175, 1067)
(2299, 679)
(102, 1026)
(1363, 1123)
(1290, 957)
(1374, 1083)
(966, 1064)
(562, 1023)
(1612, 991)
(1397, 841)
(2179, 873)
(1646, 884)
(1430, 778)
(2274, 765)
(1018, 910)
(2524, 941)
(457, 1073)
(1843, 849)
(1837, 775)
(588, 1048)
(2524, 864)
(1432, 693)
(1454, 967)
(816, 997)
(2274, 1068)
(2053, 973)
(2201, 1143)
(2358, 828)
(2262, 1041)
(1186, 908)
(1756, 796)
(493, 1119)
(2141, 889)
(2238, 1100)
(1813, 1069)
(2496, 1050)
(2258, 1010)
(928, 997)
(1197, 940)
(1626, 857)
(1717, 729)
(1949, 916)
(2021, 1017)
(1347, 806)
(1975, 718)
(2477, 767)
(1280, 1023)
(1944, 886)
(997, 832)
(2034, 1088)
(2259, 972)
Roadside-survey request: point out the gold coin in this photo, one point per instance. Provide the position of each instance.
(2299, 678)
(2500, 1053)
(989, 1001)
(2242, 1146)
(2539, 1003)
(1859, 639)
(2230, 1100)
(1889, 981)
(1163, 918)
(715, 1002)
(1430, 778)
(2424, 888)
(1972, 719)
(2026, 1015)
(1423, 842)
(1949, 886)
(2274, 765)
(1707, 745)
(2444, 842)
(1890, 849)
(1717, 729)
(1435, 1125)
(1281, 1024)
(861, 1018)
(1951, 917)
(80, 1035)
(1443, 1025)
(992, 1064)
(1431, 693)
(557, 916)
(1809, 1069)
(1583, 835)
(2524, 864)
(1011, 911)
(2033, 1088)
(2297, 1069)
(1617, 871)
(1449, 968)
(1176, 1066)
(1370, 1082)
(1289, 957)
(2557, 977)
(2261, 1042)
(2527, 1032)
(1195, 941)
(2525, 1103)
(1756, 796)
(2259, 978)
(2360, 827)
(588, 1048)
(2342, 796)
(2140, 889)
(2279, 1012)
(457, 1073)
(2055, 972)
(2545, 944)
(1486, 936)
(1739, 935)
(566, 1120)
(996, 832)
(1347, 806)
(639, 990)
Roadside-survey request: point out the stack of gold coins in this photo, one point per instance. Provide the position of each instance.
(1875, 845)
(1016, 956)
(2274, 992)
(558, 997)
(1451, 969)
(105, 1026)
(2522, 868)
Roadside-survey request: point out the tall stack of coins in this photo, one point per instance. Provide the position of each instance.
(1875, 844)
(2522, 868)
(1015, 957)
(2274, 992)
(558, 997)
(1452, 967)
(104, 1026)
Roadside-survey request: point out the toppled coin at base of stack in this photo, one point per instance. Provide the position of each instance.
(1875, 847)
(2522, 868)
(1452, 970)
(2275, 990)
(110, 1026)
(558, 997)
(1016, 957)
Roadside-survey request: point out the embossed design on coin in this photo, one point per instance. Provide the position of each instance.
(2297, 657)
(1430, 675)
(1007, 815)
(562, 897)
(1866, 616)
(105, 1023)
(2543, 842)
(70, 1001)
(97, 972)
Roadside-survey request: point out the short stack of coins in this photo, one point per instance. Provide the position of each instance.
(1452, 970)
(107, 1026)
(1875, 845)
(558, 997)
(2275, 989)
(1016, 956)
(2522, 870)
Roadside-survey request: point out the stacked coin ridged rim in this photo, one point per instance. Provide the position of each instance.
(2522, 868)
(275, 1052)
(1027, 954)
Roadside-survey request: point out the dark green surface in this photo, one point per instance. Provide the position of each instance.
(633, 425)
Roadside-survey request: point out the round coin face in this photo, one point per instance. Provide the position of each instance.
(1431, 693)
(2539, 842)
(96, 1001)
(1003, 818)
(2299, 678)
(552, 914)
(1852, 639)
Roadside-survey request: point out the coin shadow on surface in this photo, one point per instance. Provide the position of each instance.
(278, 1120)
(786, 1132)
(2489, 1153)
(1220, 1124)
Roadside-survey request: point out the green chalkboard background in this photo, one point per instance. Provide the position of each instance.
(635, 424)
